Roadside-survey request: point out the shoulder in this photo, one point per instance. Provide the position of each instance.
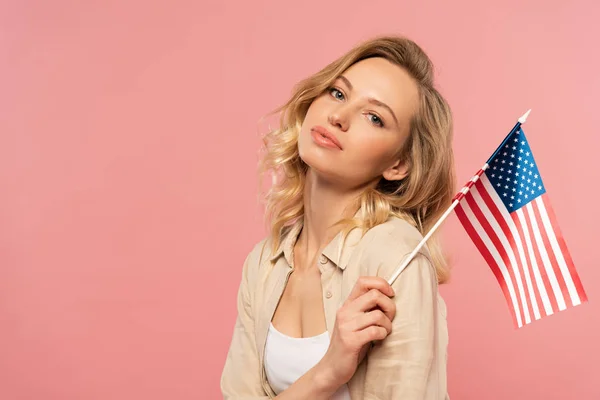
(386, 245)
(256, 259)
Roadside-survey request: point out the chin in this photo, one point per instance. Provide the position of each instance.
(316, 157)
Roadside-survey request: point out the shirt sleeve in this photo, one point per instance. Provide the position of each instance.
(240, 379)
(400, 366)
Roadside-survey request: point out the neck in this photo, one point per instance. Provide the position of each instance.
(324, 205)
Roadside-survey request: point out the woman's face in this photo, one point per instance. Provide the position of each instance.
(366, 112)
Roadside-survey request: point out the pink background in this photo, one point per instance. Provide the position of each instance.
(128, 146)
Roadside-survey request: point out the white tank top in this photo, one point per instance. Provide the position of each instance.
(288, 358)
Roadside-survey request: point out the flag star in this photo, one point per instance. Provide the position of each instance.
(532, 191)
(528, 180)
(496, 160)
(502, 169)
(520, 192)
(509, 171)
(523, 142)
(508, 178)
(516, 181)
(500, 177)
(520, 150)
(512, 155)
(510, 163)
(527, 188)
(524, 169)
(510, 204)
(530, 172)
(520, 158)
(493, 175)
(532, 166)
(526, 196)
(514, 189)
(519, 200)
(498, 185)
(516, 140)
(522, 185)
(505, 187)
(527, 154)
(540, 187)
(504, 194)
(506, 146)
(536, 176)
(512, 197)
(503, 161)
(505, 153)
(516, 173)
(514, 147)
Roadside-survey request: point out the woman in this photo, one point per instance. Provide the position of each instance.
(363, 168)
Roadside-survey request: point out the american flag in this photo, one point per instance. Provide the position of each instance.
(506, 212)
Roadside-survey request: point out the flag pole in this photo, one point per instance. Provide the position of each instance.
(456, 200)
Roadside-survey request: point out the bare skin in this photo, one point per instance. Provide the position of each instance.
(370, 136)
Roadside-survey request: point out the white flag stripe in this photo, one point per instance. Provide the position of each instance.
(534, 264)
(558, 253)
(517, 239)
(492, 249)
(544, 255)
(507, 249)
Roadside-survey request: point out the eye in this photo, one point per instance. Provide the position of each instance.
(376, 120)
(336, 93)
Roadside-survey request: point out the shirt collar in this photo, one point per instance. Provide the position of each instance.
(338, 251)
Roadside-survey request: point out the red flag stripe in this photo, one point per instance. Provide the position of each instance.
(564, 250)
(536, 260)
(550, 257)
(515, 277)
(493, 203)
(483, 244)
(543, 256)
(511, 230)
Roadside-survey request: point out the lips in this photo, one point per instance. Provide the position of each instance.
(325, 138)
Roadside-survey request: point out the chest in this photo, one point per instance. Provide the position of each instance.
(300, 310)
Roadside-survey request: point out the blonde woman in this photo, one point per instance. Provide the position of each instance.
(364, 167)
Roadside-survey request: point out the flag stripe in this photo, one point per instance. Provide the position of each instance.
(494, 203)
(556, 267)
(558, 255)
(490, 225)
(564, 250)
(526, 252)
(493, 259)
(536, 262)
(543, 256)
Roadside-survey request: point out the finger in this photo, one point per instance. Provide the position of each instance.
(366, 283)
(371, 333)
(375, 317)
(372, 300)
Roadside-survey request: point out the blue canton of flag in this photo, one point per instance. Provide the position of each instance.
(514, 173)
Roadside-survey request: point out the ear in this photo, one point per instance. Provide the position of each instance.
(397, 171)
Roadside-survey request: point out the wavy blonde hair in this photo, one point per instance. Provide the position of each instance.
(420, 198)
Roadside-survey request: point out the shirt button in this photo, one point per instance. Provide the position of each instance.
(328, 294)
(323, 259)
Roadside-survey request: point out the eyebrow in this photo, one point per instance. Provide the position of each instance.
(371, 99)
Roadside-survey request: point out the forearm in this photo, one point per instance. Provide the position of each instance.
(315, 384)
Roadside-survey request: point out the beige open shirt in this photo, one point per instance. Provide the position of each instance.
(409, 364)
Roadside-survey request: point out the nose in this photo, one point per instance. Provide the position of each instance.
(339, 118)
